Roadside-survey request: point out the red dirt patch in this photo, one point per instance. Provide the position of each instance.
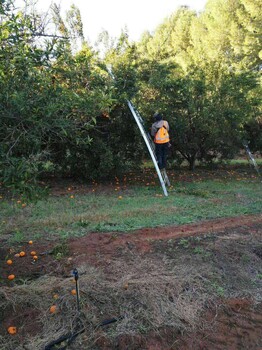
(98, 247)
(237, 325)
(232, 322)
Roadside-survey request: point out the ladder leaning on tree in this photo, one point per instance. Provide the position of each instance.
(251, 158)
(162, 175)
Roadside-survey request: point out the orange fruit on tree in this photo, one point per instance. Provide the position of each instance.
(22, 253)
(12, 330)
(9, 262)
(52, 309)
(11, 277)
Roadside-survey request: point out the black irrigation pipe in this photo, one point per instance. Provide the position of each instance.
(109, 321)
(69, 337)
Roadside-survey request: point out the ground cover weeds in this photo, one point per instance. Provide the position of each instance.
(125, 206)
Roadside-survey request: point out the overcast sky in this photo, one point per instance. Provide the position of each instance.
(113, 15)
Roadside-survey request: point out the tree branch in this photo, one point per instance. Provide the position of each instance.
(36, 35)
(51, 36)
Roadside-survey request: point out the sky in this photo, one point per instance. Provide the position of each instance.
(114, 15)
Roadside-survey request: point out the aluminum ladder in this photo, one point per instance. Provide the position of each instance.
(162, 175)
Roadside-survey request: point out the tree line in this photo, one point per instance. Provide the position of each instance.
(63, 114)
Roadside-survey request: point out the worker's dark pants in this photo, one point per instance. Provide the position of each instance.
(161, 154)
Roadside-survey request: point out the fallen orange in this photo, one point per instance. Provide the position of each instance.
(33, 253)
(22, 253)
(11, 277)
(52, 309)
(9, 262)
(12, 330)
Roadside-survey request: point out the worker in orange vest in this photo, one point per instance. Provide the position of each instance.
(159, 131)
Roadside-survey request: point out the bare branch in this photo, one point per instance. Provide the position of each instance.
(36, 35)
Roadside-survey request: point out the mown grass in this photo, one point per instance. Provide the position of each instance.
(193, 197)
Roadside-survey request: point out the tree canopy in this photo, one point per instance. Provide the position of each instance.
(63, 114)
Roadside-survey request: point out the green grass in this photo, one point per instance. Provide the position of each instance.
(195, 197)
(245, 161)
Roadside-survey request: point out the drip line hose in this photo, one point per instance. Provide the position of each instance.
(69, 337)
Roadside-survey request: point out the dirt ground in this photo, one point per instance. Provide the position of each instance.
(196, 286)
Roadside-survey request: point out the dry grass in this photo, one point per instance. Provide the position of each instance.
(144, 295)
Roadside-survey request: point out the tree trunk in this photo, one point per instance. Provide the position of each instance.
(192, 161)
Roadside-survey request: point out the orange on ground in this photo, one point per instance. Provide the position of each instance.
(12, 330)
(22, 253)
(30, 242)
(11, 277)
(73, 291)
(35, 257)
(52, 309)
(9, 262)
(33, 253)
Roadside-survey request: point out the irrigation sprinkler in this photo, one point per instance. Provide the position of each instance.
(79, 328)
(75, 273)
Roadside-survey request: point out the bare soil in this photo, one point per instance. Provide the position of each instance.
(194, 286)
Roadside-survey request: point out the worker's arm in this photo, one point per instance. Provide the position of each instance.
(153, 130)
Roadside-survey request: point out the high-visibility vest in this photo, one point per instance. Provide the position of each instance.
(162, 135)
